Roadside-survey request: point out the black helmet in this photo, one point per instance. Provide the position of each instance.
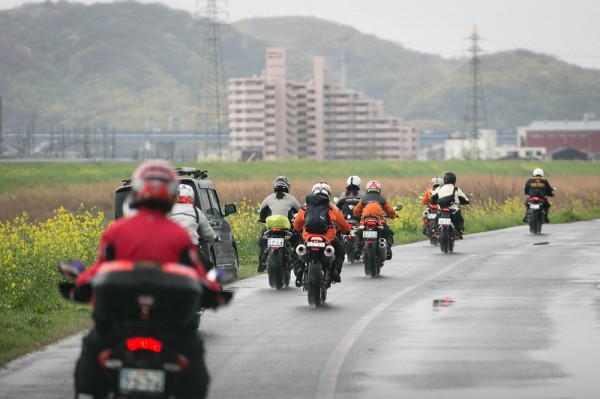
(281, 184)
(449, 178)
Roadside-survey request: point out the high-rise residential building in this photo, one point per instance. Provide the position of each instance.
(273, 118)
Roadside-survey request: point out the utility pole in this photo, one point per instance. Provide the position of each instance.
(476, 105)
(1, 131)
(211, 117)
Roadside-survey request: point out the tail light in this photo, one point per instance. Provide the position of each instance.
(143, 343)
(371, 223)
(535, 198)
(445, 210)
(434, 207)
(276, 230)
(319, 239)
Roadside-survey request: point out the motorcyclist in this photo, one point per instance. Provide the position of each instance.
(281, 202)
(193, 220)
(435, 183)
(148, 235)
(321, 194)
(375, 205)
(351, 197)
(539, 187)
(450, 196)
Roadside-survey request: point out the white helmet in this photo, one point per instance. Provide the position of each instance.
(437, 181)
(185, 191)
(353, 181)
(322, 188)
(538, 172)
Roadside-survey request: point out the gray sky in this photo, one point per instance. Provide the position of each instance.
(566, 29)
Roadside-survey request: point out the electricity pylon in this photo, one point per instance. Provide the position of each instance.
(211, 115)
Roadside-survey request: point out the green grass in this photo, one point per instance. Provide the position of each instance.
(24, 331)
(55, 174)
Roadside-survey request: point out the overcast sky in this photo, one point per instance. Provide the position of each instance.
(566, 29)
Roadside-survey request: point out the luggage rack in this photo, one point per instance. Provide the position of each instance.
(190, 171)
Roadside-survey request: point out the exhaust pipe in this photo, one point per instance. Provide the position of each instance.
(302, 253)
(329, 253)
(382, 249)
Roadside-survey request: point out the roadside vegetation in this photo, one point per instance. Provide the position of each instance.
(33, 314)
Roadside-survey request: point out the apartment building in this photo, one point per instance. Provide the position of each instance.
(273, 118)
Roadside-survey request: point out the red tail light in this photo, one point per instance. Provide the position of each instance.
(316, 239)
(141, 343)
(434, 207)
(535, 198)
(276, 230)
(445, 210)
(371, 223)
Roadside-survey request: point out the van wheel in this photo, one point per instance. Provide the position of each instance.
(235, 261)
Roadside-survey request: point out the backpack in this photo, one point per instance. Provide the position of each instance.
(448, 200)
(316, 217)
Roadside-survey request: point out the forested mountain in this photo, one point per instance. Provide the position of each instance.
(123, 63)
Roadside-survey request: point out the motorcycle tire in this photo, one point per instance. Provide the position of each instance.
(535, 222)
(445, 239)
(432, 240)
(350, 251)
(314, 283)
(370, 260)
(275, 268)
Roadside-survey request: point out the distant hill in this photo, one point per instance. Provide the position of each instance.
(120, 64)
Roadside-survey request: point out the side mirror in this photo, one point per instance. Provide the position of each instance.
(469, 195)
(229, 209)
(420, 197)
(351, 207)
(398, 207)
(335, 200)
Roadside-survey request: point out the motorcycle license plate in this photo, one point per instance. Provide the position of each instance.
(431, 216)
(141, 380)
(369, 234)
(312, 244)
(534, 206)
(275, 242)
(444, 221)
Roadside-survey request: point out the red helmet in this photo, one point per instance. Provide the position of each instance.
(154, 184)
(373, 186)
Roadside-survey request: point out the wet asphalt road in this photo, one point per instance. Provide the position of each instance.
(519, 318)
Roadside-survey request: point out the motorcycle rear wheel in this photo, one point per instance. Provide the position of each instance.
(275, 268)
(370, 260)
(432, 240)
(314, 283)
(445, 239)
(535, 222)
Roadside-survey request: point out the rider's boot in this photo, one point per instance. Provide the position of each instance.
(299, 271)
(262, 262)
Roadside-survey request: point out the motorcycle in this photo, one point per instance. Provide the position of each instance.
(317, 253)
(374, 245)
(430, 222)
(536, 214)
(145, 305)
(447, 232)
(351, 240)
(279, 257)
